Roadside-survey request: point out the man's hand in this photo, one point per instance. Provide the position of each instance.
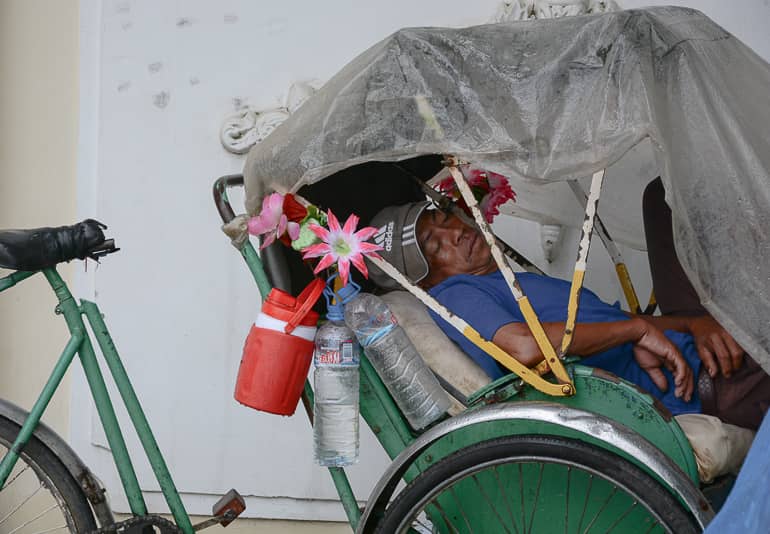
(653, 350)
(716, 347)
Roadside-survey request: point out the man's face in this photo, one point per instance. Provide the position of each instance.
(451, 247)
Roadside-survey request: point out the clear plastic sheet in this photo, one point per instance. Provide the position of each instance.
(553, 100)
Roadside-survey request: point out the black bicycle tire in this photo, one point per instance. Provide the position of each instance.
(45, 463)
(673, 516)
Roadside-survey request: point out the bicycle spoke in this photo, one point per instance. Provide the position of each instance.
(460, 509)
(22, 503)
(537, 497)
(38, 516)
(585, 502)
(444, 516)
(505, 498)
(15, 477)
(489, 501)
(566, 504)
(622, 516)
(601, 509)
(521, 492)
(39, 494)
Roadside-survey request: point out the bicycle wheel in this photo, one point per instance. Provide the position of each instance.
(535, 484)
(40, 495)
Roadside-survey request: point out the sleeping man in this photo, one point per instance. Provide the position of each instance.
(688, 362)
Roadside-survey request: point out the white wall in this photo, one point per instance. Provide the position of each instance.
(177, 274)
(178, 297)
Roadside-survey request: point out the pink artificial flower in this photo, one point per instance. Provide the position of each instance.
(490, 189)
(448, 185)
(343, 246)
(500, 192)
(478, 178)
(272, 222)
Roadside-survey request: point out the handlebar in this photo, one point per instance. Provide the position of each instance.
(220, 195)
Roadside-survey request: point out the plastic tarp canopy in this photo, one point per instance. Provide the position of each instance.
(548, 101)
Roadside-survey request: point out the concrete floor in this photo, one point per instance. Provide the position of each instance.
(272, 526)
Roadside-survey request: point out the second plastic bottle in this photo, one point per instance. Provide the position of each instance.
(406, 375)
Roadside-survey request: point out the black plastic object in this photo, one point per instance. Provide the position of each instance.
(40, 248)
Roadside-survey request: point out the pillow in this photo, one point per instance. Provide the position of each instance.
(438, 351)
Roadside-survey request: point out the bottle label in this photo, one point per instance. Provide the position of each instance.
(343, 353)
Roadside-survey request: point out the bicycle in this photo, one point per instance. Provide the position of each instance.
(33, 448)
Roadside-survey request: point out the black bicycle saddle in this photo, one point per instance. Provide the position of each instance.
(40, 248)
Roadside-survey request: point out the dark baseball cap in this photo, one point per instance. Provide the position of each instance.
(396, 234)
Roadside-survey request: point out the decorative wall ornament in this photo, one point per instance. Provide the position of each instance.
(550, 9)
(248, 126)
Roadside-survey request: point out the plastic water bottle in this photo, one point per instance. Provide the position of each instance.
(406, 375)
(336, 384)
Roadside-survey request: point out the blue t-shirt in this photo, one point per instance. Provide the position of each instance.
(486, 303)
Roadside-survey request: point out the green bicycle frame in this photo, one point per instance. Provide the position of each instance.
(79, 343)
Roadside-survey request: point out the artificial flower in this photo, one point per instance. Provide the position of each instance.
(490, 189)
(294, 210)
(272, 223)
(343, 246)
(306, 237)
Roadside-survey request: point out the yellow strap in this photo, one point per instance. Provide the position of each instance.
(628, 288)
(542, 368)
(529, 376)
(572, 307)
(542, 340)
(653, 300)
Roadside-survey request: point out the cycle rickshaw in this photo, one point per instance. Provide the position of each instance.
(560, 448)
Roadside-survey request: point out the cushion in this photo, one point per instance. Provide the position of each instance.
(719, 448)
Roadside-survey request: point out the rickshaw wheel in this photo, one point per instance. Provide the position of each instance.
(535, 484)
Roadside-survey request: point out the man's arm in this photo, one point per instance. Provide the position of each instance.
(716, 347)
(652, 349)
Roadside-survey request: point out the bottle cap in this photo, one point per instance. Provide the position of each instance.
(335, 301)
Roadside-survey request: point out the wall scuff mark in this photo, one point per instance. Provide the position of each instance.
(161, 99)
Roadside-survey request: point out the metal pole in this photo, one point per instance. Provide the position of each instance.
(257, 271)
(137, 416)
(14, 278)
(99, 392)
(28, 428)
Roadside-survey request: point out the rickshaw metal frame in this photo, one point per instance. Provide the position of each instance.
(395, 436)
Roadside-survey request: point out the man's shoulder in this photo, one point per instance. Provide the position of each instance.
(492, 281)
